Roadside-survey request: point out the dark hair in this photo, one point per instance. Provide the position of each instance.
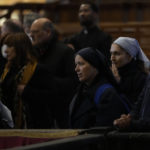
(13, 26)
(2, 39)
(98, 60)
(93, 6)
(23, 48)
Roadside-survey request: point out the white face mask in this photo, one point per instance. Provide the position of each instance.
(28, 34)
(3, 50)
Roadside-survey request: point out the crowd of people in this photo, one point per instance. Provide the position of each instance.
(84, 81)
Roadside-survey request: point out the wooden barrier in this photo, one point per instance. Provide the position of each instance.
(20, 137)
(95, 139)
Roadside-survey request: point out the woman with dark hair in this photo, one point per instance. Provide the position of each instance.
(18, 70)
(10, 26)
(21, 75)
(129, 66)
(89, 108)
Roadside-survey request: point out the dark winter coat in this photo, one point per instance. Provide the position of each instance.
(132, 80)
(141, 112)
(36, 99)
(58, 59)
(84, 113)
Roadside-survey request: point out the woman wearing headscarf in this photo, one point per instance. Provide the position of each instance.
(89, 109)
(129, 66)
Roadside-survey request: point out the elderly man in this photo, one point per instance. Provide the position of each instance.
(58, 59)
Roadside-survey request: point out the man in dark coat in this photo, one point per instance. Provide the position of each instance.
(58, 59)
(91, 35)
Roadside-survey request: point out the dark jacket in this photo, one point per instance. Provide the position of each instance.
(141, 111)
(132, 80)
(36, 99)
(58, 59)
(34, 96)
(84, 113)
(93, 37)
(8, 89)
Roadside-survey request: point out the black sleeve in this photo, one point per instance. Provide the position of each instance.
(141, 112)
(140, 125)
(135, 112)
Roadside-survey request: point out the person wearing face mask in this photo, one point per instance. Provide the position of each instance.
(129, 66)
(87, 108)
(9, 26)
(3, 50)
(25, 85)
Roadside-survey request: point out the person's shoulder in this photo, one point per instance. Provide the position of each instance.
(138, 74)
(73, 37)
(105, 34)
(62, 47)
(41, 69)
(101, 34)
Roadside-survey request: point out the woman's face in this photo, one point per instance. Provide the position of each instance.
(85, 71)
(10, 53)
(119, 57)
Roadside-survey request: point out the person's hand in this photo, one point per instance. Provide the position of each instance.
(20, 88)
(123, 121)
(115, 72)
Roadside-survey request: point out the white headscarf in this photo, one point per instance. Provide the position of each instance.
(132, 47)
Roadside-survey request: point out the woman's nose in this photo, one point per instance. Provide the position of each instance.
(112, 58)
(76, 68)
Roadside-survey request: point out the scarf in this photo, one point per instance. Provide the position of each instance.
(22, 77)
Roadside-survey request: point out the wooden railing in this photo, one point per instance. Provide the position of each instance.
(102, 138)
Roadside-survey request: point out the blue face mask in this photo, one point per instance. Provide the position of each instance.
(3, 50)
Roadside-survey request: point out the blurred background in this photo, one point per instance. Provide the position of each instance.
(117, 17)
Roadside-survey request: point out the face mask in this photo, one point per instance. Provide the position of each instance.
(28, 34)
(3, 50)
